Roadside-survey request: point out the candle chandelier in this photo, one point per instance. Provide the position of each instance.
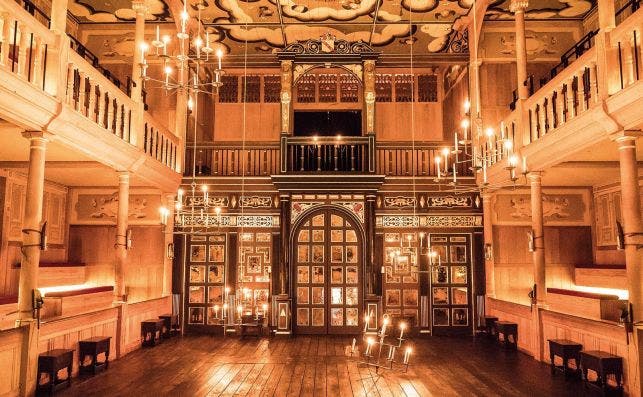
(379, 352)
(194, 52)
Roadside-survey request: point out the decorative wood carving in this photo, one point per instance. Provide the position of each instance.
(326, 45)
(306, 89)
(286, 94)
(383, 88)
(251, 89)
(404, 88)
(429, 221)
(449, 201)
(259, 221)
(427, 88)
(327, 86)
(399, 202)
(348, 88)
(271, 88)
(255, 202)
(229, 91)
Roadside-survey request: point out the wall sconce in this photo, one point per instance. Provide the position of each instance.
(42, 244)
(530, 241)
(170, 251)
(165, 213)
(488, 252)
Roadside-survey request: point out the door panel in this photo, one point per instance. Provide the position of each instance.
(327, 257)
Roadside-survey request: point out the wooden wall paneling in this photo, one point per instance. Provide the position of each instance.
(178, 263)
(517, 313)
(276, 259)
(378, 254)
(144, 271)
(94, 246)
(10, 361)
(231, 265)
(138, 312)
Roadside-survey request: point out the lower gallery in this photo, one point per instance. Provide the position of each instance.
(335, 197)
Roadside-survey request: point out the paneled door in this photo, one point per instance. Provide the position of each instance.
(327, 258)
(450, 292)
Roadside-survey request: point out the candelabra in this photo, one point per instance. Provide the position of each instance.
(478, 155)
(191, 55)
(375, 346)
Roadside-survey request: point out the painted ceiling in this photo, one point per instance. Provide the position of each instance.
(264, 26)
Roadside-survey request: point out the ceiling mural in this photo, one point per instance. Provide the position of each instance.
(541, 45)
(542, 9)
(261, 27)
(94, 11)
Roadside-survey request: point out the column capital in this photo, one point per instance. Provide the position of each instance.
(42, 136)
(517, 6)
(123, 176)
(626, 138)
(535, 177)
(486, 196)
(139, 6)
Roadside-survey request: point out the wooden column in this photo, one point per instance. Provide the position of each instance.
(138, 122)
(489, 263)
(518, 7)
(370, 269)
(31, 259)
(286, 97)
(369, 96)
(538, 255)
(121, 236)
(284, 265)
(169, 239)
(633, 239)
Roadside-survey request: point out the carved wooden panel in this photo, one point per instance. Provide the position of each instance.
(251, 89)
(348, 88)
(229, 92)
(427, 88)
(403, 88)
(383, 88)
(306, 89)
(15, 212)
(54, 214)
(271, 88)
(327, 84)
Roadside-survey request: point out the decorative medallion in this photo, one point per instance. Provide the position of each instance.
(255, 202)
(449, 202)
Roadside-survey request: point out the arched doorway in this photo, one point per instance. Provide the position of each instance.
(327, 257)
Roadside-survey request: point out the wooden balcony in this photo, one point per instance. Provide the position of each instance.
(596, 95)
(46, 86)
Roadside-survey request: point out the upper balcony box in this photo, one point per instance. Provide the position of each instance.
(46, 86)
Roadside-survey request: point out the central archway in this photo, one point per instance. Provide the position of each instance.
(327, 272)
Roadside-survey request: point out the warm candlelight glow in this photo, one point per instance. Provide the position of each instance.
(489, 132)
(465, 123)
(467, 106)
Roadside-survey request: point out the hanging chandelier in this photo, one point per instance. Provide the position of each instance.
(193, 53)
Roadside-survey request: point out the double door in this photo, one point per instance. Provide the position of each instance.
(327, 266)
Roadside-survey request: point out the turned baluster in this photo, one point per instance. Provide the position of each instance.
(127, 119)
(25, 37)
(534, 122)
(571, 100)
(110, 113)
(102, 96)
(91, 101)
(628, 62)
(560, 106)
(335, 157)
(580, 91)
(593, 84)
(542, 118)
(70, 85)
(80, 105)
(352, 157)
(36, 73)
(118, 128)
(301, 158)
(318, 157)
(5, 23)
(551, 111)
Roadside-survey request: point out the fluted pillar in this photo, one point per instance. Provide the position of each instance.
(518, 7)
(121, 236)
(30, 259)
(489, 262)
(286, 96)
(369, 95)
(284, 284)
(169, 239)
(537, 229)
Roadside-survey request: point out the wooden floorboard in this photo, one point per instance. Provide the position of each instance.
(320, 366)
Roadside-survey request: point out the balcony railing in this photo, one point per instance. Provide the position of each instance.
(626, 39)
(32, 53)
(406, 159)
(327, 154)
(232, 159)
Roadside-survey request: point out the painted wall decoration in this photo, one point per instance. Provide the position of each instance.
(428, 221)
(94, 11)
(500, 43)
(100, 207)
(560, 207)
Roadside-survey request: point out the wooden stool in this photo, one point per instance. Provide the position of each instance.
(170, 324)
(566, 350)
(490, 325)
(50, 363)
(93, 347)
(151, 331)
(604, 364)
(507, 329)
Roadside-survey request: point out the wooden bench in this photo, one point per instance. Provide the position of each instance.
(50, 363)
(489, 326)
(605, 365)
(509, 332)
(566, 350)
(170, 324)
(151, 331)
(249, 322)
(92, 348)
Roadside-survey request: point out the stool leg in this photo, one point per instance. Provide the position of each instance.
(552, 365)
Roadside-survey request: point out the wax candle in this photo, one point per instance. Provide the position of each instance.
(407, 354)
(402, 327)
(353, 346)
(456, 141)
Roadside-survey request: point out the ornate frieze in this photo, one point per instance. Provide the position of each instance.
(299, 207)
(355, 207)
(449, 202)
(209, 220)
(213, 201)
(400, 202)
(255, 202)
(429, 221)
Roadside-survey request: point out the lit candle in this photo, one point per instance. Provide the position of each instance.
(484, 171)
(180, 195)
(265, 309)
(407, 354)
(219, 56)
(456, 141)
(384, 324)
(445, 153)
(402, 327)
(524, 164)
(367, 319)
(454, 174)
(240, 310)
(369, 343)
(158, 33)
(391, 353)
(224, 312)
(437, 165)
(216, 311)
(353, 346)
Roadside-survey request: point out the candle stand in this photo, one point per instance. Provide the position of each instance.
(381, 351)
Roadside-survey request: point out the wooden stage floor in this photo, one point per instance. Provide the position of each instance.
(317, 366)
